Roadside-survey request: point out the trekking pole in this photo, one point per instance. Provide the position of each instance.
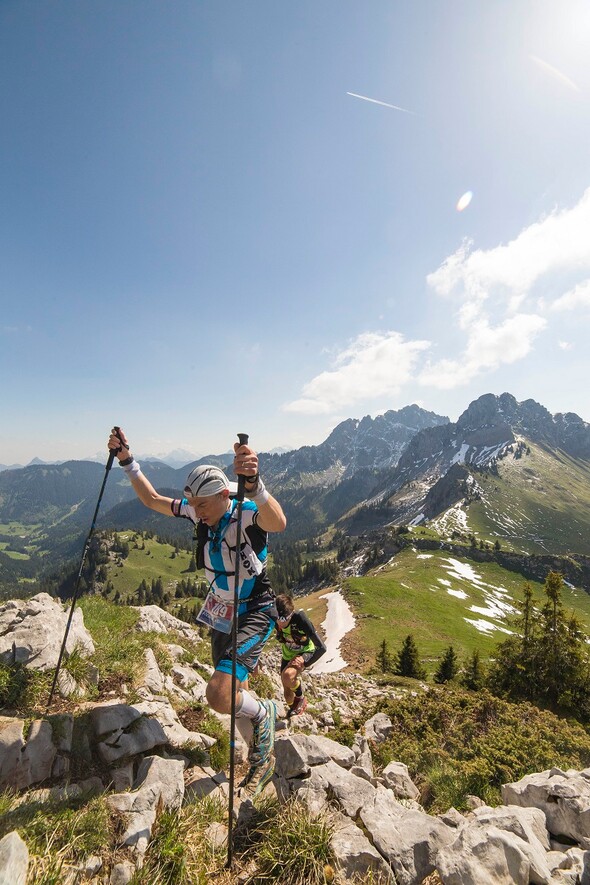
(243, 438)
(108, 466)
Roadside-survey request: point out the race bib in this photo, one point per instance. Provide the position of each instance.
(217, 613)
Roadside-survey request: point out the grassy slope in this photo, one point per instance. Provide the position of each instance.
(407, 596)
(149, 564)
(538, 503)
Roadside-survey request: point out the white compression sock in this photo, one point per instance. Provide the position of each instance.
(250, 708)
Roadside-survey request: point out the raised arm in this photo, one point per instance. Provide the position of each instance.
(270, 513)
(141, 484)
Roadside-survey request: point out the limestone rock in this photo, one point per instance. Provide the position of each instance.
(176, 734)
(564, 797)
(297, 753)
(159, 784)
(154, 619)
(354, 854)
(409, 839)
(397, 778)
(14, 860)
(486, 855)
(331, 781)
(527, 823)
(23, 763)
(152, 678)
(205, 782)
(363, 764)
(378, 728)
(122, 873)
(32, 631)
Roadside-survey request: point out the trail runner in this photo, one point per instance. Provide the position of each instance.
(301, 647)
(208, 505)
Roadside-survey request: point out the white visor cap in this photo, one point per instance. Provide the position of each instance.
(206, 480)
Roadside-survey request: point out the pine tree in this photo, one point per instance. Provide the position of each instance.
(473, 675)
(407, 661)
(384, 658)
(548, 663)
(448, 666)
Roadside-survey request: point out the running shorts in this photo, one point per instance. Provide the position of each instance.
(254, 630)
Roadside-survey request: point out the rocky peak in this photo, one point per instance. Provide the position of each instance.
(568, 432)
(373, 443)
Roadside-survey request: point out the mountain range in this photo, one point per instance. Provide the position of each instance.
(506, 469)
(176, 458)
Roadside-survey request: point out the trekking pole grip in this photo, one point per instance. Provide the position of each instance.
(113, 452)
(243, 440)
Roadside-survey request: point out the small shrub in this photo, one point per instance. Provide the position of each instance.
(456, 742)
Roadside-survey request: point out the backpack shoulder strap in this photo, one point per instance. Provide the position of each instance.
(201, 537)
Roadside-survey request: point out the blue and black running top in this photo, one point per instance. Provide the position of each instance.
(255, 592)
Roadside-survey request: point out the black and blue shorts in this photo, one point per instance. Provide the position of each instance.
(254, 630)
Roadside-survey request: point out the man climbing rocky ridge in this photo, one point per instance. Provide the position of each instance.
(135, 751)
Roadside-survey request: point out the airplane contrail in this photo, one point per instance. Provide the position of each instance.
(384, 103)
(555, 72)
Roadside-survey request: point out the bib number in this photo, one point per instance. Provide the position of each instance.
(216, 613)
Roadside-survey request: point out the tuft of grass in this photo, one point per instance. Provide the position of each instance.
(219, 752)
(287, 845)
(58, 833)
(195, 754)
(22, 689)
(77, 665)
(179, 852)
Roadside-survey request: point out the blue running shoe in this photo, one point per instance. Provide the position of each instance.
(263, 737)
(257, 778)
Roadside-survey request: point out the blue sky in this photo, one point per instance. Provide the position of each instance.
(203, 233)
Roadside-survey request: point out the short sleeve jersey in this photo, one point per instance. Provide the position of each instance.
(255, 592)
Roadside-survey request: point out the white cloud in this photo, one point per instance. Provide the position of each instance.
(565, 345)
(491, 286)
(489, 289)
(15, 330)
(487, 348)
(559, 242)
(376, 364)
(579, 296)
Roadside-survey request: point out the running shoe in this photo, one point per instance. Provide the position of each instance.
(257, 778)
(298, 707)
(263, 737)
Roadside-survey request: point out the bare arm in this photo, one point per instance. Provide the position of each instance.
(270, 516)
(141, 484)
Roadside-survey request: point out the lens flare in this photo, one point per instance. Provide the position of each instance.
(464, 201)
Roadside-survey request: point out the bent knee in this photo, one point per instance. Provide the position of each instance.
(289, 675)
